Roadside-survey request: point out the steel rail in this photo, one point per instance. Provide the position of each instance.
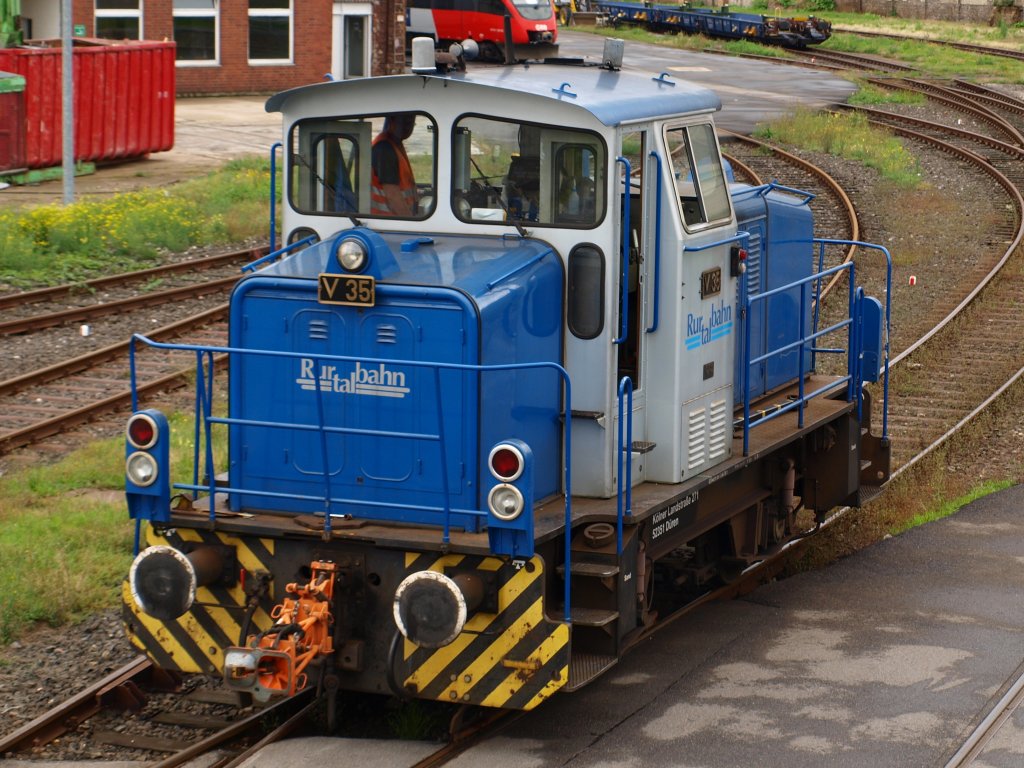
(68, 714)
(60, 291)
(983, 50)
(987, 728)
(738, 165)
(92, 311)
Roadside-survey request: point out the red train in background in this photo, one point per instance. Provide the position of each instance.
(534, 32)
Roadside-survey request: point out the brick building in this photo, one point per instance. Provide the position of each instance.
(245, 46)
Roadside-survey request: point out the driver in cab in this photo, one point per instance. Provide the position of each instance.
(394, 187)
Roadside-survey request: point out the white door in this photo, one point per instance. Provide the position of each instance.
(350, 40)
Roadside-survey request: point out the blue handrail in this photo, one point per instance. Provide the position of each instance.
(624, 286)
(657, 246)
(273, 193)
(806, 342)
(625, 457)
(204, 413)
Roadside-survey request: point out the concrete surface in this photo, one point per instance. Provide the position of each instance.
(887, 658)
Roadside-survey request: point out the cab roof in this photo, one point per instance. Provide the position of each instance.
(613, 97)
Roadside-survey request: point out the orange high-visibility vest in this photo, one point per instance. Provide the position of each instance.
(406, 181)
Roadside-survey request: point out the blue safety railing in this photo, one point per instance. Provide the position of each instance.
(205, 358)
(806, 342)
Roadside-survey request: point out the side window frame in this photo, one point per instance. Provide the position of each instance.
(707, 189)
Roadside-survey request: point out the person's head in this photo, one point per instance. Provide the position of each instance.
(400, 125)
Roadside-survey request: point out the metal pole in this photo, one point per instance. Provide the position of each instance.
(68, 102)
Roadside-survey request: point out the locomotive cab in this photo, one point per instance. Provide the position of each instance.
(508, 299)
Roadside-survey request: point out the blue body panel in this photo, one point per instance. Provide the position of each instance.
(460, 301)
(778, 253)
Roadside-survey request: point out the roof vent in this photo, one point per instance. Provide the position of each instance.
(423, 56)
(612, 56)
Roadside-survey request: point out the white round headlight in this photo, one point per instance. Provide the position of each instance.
(505, 502)
(141, 469)
(352, 255)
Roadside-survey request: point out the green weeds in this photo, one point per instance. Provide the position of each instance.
(948, 508)
(58, 243)
(849, 136)
(65, 536)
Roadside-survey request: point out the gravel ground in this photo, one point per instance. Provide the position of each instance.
(935, 241)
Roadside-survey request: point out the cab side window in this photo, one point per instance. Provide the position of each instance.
(697, 171)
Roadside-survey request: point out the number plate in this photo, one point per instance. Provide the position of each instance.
(711, 282)
(354, 290)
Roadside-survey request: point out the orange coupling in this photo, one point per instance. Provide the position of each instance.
(273, 663)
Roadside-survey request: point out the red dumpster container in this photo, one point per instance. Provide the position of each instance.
(12, 122)
(124, 98)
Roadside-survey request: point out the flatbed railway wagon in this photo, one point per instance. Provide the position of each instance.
(473, 453)
(788, 32)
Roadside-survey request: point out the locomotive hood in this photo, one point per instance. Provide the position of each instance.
(416, 353)
(474, 265)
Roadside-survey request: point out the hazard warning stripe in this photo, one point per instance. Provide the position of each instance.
(194, 642)
(515, 658)
(428, 664)
(553, 655)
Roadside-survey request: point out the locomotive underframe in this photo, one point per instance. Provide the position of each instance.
(515, 650)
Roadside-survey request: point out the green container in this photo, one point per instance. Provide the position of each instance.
(11, 83)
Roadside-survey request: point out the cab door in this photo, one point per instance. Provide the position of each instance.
(708, 325)
(634, 268)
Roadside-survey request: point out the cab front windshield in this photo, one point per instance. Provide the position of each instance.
(373, 165)
(510, 172)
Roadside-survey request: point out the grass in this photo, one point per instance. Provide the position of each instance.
(945, 509)
(869, 95)
(65, 536)
(65, 243)
(849, 136)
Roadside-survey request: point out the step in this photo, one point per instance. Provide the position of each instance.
(591, 617)
(592, 570)
(584, 667)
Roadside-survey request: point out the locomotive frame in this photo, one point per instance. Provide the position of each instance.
(476, 452)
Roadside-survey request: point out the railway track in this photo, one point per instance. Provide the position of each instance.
(983, 50)
(51, 399)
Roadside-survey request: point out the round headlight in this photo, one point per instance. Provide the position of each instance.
(141, 469)
(505, 502)
(352, 255)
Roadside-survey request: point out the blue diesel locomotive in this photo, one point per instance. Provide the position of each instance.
(476, 448)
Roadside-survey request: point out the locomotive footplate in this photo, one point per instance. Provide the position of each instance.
(652, 498)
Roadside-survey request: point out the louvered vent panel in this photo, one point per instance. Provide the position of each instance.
(754, 262)
(718, 431)
(387, 334)
(696, 439)
(318, 329)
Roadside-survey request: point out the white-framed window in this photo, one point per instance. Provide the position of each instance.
(270, 31)
(197, 31)
(119, 19)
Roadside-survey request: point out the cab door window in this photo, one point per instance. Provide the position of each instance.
(700, 183)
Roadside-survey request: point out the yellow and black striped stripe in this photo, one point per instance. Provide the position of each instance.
(514, 658)
(194, 642)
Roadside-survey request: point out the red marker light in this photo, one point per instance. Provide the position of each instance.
(506, 462)
(142, 431)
